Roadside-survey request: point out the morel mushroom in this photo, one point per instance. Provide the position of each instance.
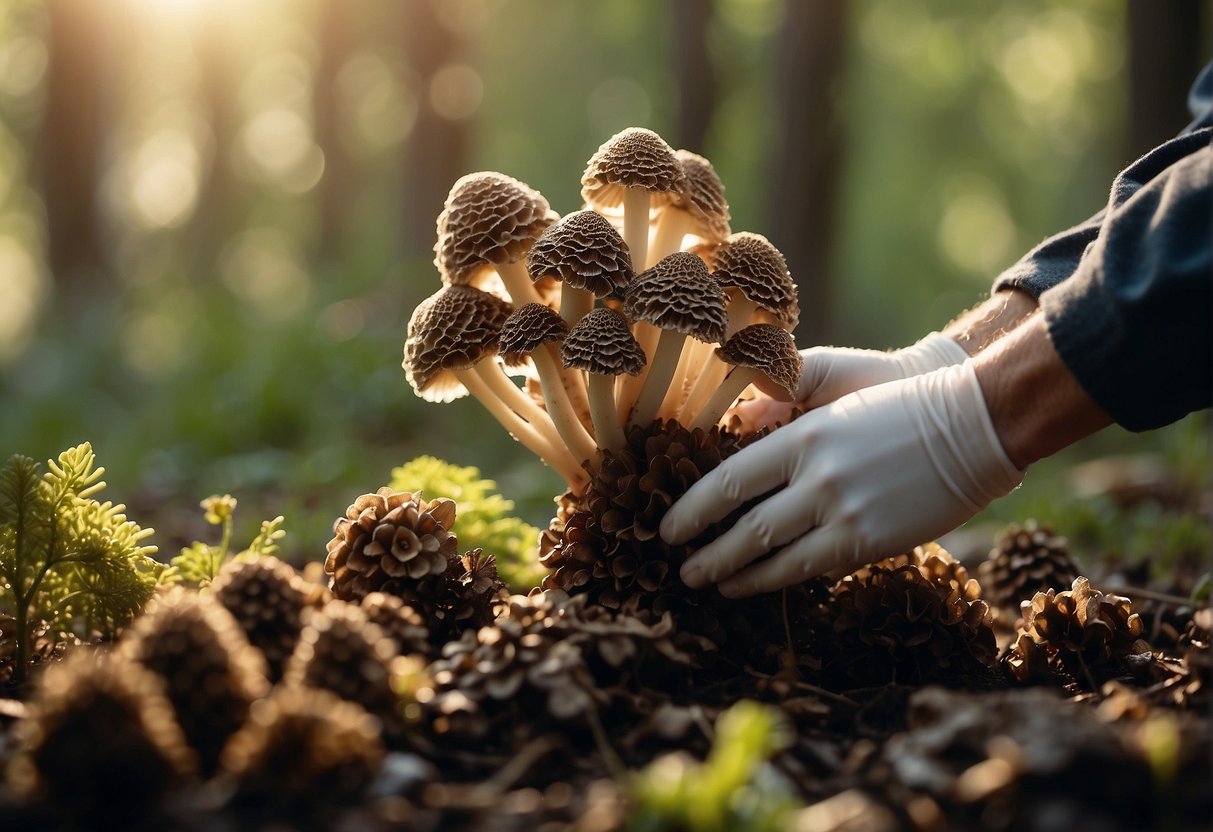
(603, 346)
(700, 209)
(633, 168)
(534, 331)
(759, 289)
(451, 350)
(589, 258)
(761, 354)
(489, 222)
(680, 298)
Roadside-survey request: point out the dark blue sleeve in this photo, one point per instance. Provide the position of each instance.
(1133, 322)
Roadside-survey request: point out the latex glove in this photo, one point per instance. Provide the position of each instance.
(831, 372)
(874, 474)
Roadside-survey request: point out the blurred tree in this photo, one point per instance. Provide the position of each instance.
(694, 70)
(333, 33)
(216, 219)
(439, 145)
(78, 79)
(1168, 44)
(808, 154)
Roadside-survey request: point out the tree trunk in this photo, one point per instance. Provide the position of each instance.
(438, 148)
(70, 146)
(695, 72)
(336, 186)
(808, 153)
(1165, 53)
(218, 213)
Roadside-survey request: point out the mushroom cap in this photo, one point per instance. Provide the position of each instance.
(770, 349)
(602, 343)
(528, 328)
(703, 197)
(749, 262)
(632, 158)
(455, 328)
(488, 219)
(679, 293)
(584, 251)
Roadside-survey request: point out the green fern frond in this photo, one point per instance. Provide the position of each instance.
(483, 516)
(66, 558)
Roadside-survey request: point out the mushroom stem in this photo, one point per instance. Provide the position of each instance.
(524, 432)
(518, 283)
(657, 382)
(724, 396)
(518, 401)
(672, 225)
(575, 304)
(602, 410)
(647, 336)
(679, 383)
(560, 409)
(711, 369)
(636, 223)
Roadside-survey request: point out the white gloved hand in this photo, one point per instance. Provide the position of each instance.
(874, 474)
(832, 372)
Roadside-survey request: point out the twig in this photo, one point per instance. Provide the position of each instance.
(828, 694)
(509, 774)
(618, 771)
(1150, 595)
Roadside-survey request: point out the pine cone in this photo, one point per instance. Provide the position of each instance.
(210, 673)
(475, 588)
(390, 542)
(520, 664)
(399, 622)
(100, 742)
(341, 651)
(1025, 560)
(267, 598)
(915, 618)
(1084, 633)
(610, 551)
(302, 751)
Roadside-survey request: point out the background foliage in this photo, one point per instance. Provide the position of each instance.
(223, 309)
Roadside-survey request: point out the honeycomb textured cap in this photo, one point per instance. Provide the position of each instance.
(602, 343)
(584, 251)
(768, 348)
(488, 219)
(703, 196)
(528, 328)
(453, 329)
(749, 262)
(679, 294)
(632, 158)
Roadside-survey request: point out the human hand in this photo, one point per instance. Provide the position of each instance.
(832, 372)
(875, 473)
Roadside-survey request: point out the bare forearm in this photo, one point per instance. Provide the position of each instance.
(1035, 403)
(985, 323)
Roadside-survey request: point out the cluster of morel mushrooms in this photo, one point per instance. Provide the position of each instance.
(641, 306)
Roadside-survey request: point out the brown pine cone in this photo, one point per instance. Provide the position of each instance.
(399, 622)
(210, 672)
(390, 542)
(100, 742)
(267, 598)
(303, 751)
(1025, 560)
(520, 664)
(475, 588)
(610, 551)
(912, 619)
(1085, 634)
(341, 651)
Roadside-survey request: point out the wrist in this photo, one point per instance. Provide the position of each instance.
(989, 321)
(932, 352)
(1036, 405)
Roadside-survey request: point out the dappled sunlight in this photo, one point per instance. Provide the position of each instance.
(264, 268)
(23, 289)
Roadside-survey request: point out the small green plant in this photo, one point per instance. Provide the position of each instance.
(728, 792)
(199, 563)
(483, 519)
(66, 558)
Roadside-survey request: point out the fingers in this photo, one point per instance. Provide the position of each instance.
(753, 471)
(822, 550)
(781, 518)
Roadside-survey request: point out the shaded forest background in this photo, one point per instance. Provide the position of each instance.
(216, 216)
